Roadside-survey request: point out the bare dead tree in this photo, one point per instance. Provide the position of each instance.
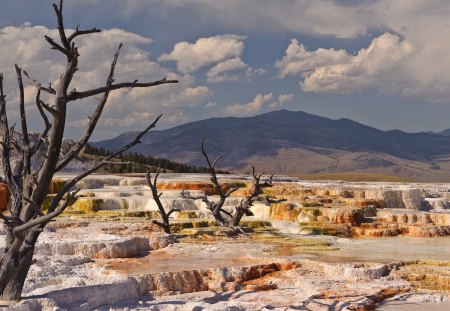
(222, 216)
(29, 186)
(216, 208)
(165, 216)
(244, 206)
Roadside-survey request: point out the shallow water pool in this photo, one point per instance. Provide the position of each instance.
(385, 250)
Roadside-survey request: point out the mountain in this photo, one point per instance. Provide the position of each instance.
(445, 132)
(297, 142)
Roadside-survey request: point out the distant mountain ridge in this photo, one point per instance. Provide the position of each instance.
(267, 137)
(444, 132)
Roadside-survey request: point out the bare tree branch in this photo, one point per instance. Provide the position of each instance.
(56, 46)
(36, 208)
(50, 109)
(49, 216)
(244, 207)
(25, 219)
(230, 191)
(173, 210)
(6, 145)
(61, 30)
(216, 208)
(23, 120)
(43, 134)
(11, 220)
(216, 160)
(165, 216)
(93, 119)
(103, 162)
(185, 194)
(78, 32)
(48, 89)
(212, 170)
(74, 95)
(268, 200)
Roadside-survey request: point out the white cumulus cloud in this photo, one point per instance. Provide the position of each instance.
(190, 57)
(229, 70)
(382, 66)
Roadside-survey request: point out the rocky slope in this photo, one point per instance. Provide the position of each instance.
(77, 164)
(297, 142)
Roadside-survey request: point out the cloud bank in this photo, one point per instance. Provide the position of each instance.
(26, 46)
(382, 66)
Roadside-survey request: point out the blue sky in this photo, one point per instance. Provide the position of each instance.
(383, 63)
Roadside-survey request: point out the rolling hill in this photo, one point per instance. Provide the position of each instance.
(290, 142)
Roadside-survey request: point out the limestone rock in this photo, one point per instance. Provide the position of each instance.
(56, 185)
(356, 271)
(402, 198)
(283, 211)
(428, 231)
(339, 192)
(436, 203)
(162, 240)
(376, 232)
(343, 215)
(216, 279)
(440, 217)
(404, 217)
(120, 248)
(92, 296)
(412, 199)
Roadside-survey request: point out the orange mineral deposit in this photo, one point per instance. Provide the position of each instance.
(4, 196)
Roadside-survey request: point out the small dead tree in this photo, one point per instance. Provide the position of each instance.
(216, 208)
(165, 224)
(244, 206)
(222, 216)
(29, 186)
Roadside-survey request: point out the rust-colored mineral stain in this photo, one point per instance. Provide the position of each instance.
(208, 188)
(4, 196)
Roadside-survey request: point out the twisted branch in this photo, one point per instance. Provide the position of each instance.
(78, 32)
(92, 120)
(156, 196)
(74, 95)
(43, 134)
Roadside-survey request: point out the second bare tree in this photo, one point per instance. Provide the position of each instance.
(232, 218)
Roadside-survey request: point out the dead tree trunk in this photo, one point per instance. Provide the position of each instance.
(25, 219)
(14, 270)
(165, 224)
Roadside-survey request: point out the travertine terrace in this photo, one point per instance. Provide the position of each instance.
(348, 246)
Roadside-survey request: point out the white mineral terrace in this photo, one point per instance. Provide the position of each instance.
(99, 260)
(134, 194)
